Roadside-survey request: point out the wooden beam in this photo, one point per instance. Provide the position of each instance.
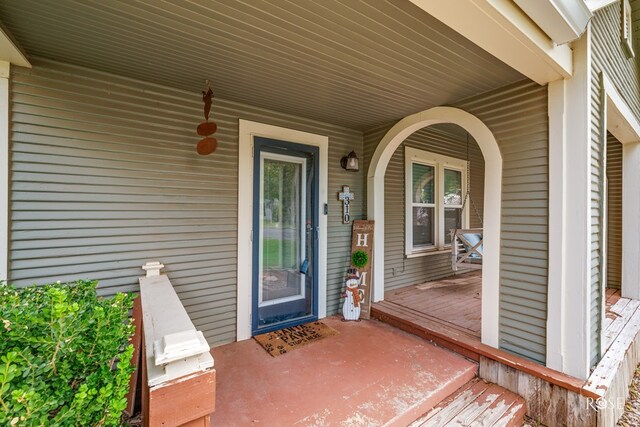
(506, 32)
(10, 50)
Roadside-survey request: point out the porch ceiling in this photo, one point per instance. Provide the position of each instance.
(355, 64)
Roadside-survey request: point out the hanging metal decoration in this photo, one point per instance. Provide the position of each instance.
(208, 144)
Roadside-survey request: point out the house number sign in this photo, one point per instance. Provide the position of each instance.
(345, 197)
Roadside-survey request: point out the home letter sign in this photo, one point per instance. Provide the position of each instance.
(345, 196)
(362, 241)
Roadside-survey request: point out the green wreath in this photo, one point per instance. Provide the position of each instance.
(359, 259)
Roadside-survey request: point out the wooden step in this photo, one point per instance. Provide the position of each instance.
(479, 404)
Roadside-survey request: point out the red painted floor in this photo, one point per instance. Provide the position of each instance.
(369, 374)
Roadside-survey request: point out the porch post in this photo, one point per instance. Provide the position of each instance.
(375, 210)
(557, 224)
(4, 170)
(630, 220)
(568, 311)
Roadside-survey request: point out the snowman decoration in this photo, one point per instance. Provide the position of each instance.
(353, 295)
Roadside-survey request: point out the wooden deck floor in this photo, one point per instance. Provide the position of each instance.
(479, 404)
(618, 313)
(453, 301)
(453, 322)
(611, 376)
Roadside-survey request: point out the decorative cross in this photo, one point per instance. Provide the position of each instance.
(345, 196)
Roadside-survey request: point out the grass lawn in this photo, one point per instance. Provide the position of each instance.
(279, 253)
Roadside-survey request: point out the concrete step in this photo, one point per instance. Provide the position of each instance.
(479, 404)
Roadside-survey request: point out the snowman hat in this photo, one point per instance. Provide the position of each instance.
(353, 275)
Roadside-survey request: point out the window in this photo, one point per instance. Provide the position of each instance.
(627, 28)
(435, 189)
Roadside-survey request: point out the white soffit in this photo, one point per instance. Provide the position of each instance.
(501, 28)
(562, 20)
(10, 50)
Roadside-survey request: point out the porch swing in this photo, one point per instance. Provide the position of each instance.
(466, 243)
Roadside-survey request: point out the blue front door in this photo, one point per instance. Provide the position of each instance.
(285, 234)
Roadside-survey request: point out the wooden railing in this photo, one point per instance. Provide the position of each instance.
(178, 379)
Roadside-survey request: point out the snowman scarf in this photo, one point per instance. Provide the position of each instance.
(355, 292)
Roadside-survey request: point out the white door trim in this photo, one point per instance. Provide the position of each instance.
(247, 130)
(492, 202)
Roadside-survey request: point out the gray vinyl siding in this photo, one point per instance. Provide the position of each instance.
(607, 55)
(399, 270)
(614, 212)
(105, 176)
(517, 116)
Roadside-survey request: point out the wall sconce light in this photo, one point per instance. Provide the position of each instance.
(350, 162)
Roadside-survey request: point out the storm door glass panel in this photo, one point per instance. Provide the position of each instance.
(286, 239)
(423, 205)
(452, 202)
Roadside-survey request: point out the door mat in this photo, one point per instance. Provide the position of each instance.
(285, 340)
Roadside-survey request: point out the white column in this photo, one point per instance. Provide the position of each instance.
(557, 225)
(630, 220)
(568, 311)
(375, 210)
(4, 170)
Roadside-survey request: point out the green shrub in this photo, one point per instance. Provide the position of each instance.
(65, 358)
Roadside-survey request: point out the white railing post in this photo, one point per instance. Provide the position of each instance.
(178, 374)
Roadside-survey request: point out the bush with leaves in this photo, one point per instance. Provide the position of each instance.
(65, 358)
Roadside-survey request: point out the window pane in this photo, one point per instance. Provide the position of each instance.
(452, 187)
(423, 183)
(452, 219)
(423, 226)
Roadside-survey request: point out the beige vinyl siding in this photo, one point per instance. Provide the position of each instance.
(517, 115)
(400, 271)
(105, 176)
(608, 56)
(614, 212)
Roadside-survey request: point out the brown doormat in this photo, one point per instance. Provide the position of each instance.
(285, 340)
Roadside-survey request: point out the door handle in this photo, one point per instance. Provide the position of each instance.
(304, 268)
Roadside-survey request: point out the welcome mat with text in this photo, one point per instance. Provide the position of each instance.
(287, 339)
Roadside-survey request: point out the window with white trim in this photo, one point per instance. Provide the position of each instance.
(435, 186)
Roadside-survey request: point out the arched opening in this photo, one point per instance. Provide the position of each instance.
(491, 201)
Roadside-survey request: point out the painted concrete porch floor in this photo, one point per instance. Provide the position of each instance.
(370, 374)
